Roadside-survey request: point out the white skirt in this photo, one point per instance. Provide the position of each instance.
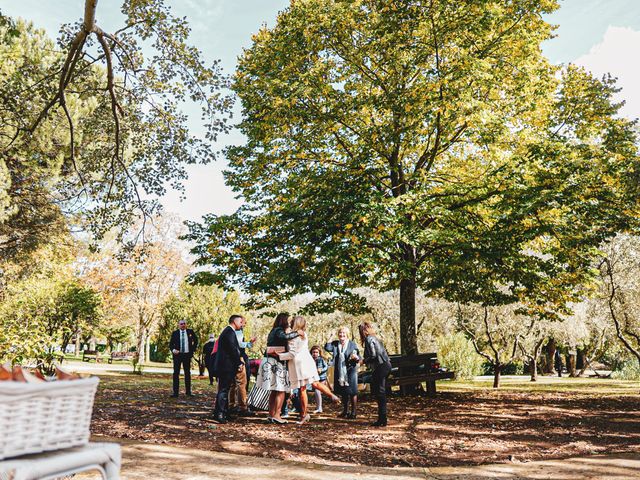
(273, 375)
(302, 370)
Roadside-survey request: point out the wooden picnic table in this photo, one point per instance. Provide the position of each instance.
(409, 370)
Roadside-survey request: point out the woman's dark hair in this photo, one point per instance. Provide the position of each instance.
(365, 330)
(282, 321)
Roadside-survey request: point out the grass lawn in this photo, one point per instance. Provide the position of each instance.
(520, 383)
(467, 423)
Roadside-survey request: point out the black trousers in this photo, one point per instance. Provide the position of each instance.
(209, 365)
(379, 388)
(225, 380)
(245, 357)
(181, 360)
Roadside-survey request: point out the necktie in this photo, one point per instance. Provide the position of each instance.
(183, 337)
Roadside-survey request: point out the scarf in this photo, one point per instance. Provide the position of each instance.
(343, 380)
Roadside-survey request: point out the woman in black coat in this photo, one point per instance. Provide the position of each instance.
(377, 359)
(345, 371)
(273, 374)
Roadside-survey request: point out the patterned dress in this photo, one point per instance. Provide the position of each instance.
(273, 374)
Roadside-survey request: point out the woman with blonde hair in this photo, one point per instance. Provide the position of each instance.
(302, 368)
(345, 371)
(377, 359)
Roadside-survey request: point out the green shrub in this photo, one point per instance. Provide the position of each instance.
(514, 368)
(456, 353)
(630, 370)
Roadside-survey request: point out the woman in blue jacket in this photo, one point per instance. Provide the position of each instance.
(345, 371)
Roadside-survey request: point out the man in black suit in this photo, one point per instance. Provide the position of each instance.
(227, 363)
(183, 344)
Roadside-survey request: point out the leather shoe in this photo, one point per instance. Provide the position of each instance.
(246, 413)
(174, 395)
(379, 423)
(219, 419)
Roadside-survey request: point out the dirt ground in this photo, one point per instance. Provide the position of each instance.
(463, 426)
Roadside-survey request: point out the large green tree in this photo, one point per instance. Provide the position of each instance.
(95, 125)
(40, 315)
(206, 308)
(405, 144)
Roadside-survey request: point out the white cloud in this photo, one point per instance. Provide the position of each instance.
(617, 54)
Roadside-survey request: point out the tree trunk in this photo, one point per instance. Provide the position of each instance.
(534, 360)
(580, 359)
(551, 352)
(147, 348)
(77, 349)
(534, 369)
(571, 365)
(141, 347)
(89, 14)
(408, 335)
(497, 370)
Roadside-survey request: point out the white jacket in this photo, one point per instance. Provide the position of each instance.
(302, 366)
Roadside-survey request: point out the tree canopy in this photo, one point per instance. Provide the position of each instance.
(95, 127)
(410, 144)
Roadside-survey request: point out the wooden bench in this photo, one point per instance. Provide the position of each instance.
(88, 355)
(414, 369)
(124, 356)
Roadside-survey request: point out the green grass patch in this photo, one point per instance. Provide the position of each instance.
(547, 384)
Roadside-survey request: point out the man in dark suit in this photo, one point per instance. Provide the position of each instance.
(183, 345)
(227, 363)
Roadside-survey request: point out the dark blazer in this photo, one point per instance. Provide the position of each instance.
(352, 366)
(228, 354)
(192, 339)
(206, 351)
(374, 352)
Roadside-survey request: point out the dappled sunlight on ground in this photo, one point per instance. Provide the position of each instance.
(464, 425)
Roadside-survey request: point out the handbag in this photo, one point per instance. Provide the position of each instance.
(258, 398)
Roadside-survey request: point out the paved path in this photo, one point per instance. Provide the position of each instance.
(142, 461)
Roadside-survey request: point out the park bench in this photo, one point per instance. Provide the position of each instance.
(407, 370)
(124, 356)
(88, 355)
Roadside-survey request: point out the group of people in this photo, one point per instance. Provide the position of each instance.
(289, 365)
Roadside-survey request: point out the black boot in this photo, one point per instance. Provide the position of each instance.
(382, 422)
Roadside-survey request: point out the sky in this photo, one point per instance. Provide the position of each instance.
(601, 35)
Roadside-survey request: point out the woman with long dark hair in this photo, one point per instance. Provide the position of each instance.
(377, 359)
(273, 374)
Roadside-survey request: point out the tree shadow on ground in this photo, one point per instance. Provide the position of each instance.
(453, 429)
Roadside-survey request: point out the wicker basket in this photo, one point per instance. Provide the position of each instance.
(37, 417)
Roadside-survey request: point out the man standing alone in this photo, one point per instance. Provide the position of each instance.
(227, 364)
(182, 345)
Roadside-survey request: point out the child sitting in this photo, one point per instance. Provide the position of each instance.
(322, 366)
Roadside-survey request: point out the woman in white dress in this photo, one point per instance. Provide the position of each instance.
(302, 368)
